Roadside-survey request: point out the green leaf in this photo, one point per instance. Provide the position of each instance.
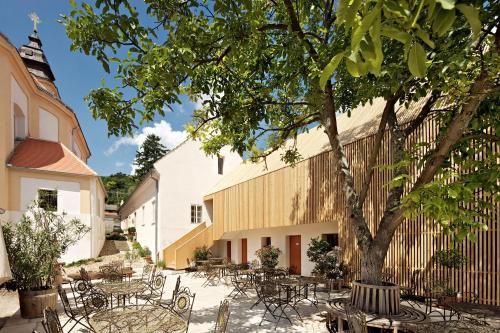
(351, 12)
(416, 60)
(443, 21)
(395, 33)
(330, 68)
(424, 36)
(472, 16)
(447, 4)
(360, 31)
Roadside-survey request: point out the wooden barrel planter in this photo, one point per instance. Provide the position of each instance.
(369, 298)
(32, 303)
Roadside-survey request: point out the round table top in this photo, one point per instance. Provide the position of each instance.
(137, 319)
(123, 288)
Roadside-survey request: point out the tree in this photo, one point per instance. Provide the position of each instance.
(150, 151)
(119, 186)
(267, 67)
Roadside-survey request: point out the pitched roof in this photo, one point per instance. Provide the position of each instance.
(45, 155)
(363, 122)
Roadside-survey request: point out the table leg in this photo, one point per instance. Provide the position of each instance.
(340, 324)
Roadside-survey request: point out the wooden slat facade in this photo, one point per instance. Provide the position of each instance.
(310, 193)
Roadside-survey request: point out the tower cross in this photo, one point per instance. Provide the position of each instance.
(34, 17)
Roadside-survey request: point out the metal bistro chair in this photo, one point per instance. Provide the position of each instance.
(155, 290)
(212, 276)
(240, 285)
(409, 293)
(147, 270)
(168, 303)
(51, 322)
(111, 273)
(183, 304)
(75, 313)
(222, 317)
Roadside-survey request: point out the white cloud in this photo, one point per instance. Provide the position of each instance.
(133, 169)
(169, 137)
(119, 164)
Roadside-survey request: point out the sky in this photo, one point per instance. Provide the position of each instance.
(76, 75)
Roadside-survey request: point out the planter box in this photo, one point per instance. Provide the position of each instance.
(32, 303)
(369, 298)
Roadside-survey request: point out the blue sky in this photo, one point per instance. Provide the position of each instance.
(76, 74)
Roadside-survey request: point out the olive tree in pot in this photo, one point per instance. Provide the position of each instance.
(268, 256)
(34, 244)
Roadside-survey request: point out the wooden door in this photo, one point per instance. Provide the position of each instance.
(228, 250)
(295, 255)
(244, 258)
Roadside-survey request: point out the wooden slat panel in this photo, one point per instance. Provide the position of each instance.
(309, 192)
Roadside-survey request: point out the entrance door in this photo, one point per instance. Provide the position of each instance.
(228, 250)
(244, 258)
(295, 257)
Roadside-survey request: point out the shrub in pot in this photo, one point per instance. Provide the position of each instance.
(268, 256)
(34, 244)
(449, 259)
(145, 252)
(327, 260)
(202, 253)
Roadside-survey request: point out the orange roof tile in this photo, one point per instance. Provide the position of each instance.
(48, 156)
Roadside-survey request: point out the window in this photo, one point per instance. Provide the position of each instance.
(332, 239)
(265, 241)
(153, 206)
(196, 213)
(47, 199)
(220, 165)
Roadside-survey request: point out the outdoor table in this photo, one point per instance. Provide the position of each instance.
(122, 289)
(221, 268)
(481, 311)
(216, 260)
(138, 319)
(407, 315)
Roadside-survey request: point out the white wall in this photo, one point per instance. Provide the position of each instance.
(279, 238)
(186, 175)
(68, 201)
(68, 193)
(48, 126)
(18, 97)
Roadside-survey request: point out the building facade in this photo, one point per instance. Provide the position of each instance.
(168, 203)
(43, 151)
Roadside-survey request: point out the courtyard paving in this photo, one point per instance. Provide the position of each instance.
(205, 308)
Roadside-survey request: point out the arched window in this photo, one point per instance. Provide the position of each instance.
(19, 123)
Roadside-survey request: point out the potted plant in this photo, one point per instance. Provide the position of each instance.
(202, 253)
(327, 260)
(449, 259)
(146, 254)
(34, 244)
(268, 256)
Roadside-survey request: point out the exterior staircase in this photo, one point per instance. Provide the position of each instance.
(177, 253)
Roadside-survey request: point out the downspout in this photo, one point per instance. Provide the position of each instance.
(157, 185)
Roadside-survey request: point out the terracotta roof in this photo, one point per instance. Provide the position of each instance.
(48, 156)
(364, 121)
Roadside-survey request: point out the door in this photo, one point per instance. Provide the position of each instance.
(295, 256)
(244, 258)
(228, 250)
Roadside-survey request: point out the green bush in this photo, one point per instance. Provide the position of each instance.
(202, 253)
(268, 256)
(131, 230)
(450, 258)
(145, 252)
(161, 264)
(136, 245)
(116, 237)
(83, 262)
(327, 260)
(36, 242)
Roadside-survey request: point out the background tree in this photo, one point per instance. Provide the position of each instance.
(119, 186)
(150, 151)
(268, 66)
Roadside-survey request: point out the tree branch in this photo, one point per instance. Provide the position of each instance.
(388, 109)
(426, 110)
(295, 25)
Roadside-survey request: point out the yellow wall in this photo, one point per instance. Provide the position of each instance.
(15, 185)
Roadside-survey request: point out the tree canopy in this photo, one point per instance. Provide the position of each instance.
(119, 186)
(268, 70)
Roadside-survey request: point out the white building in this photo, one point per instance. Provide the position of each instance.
(168, 203)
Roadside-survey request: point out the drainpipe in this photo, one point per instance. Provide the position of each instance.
(157, 184)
